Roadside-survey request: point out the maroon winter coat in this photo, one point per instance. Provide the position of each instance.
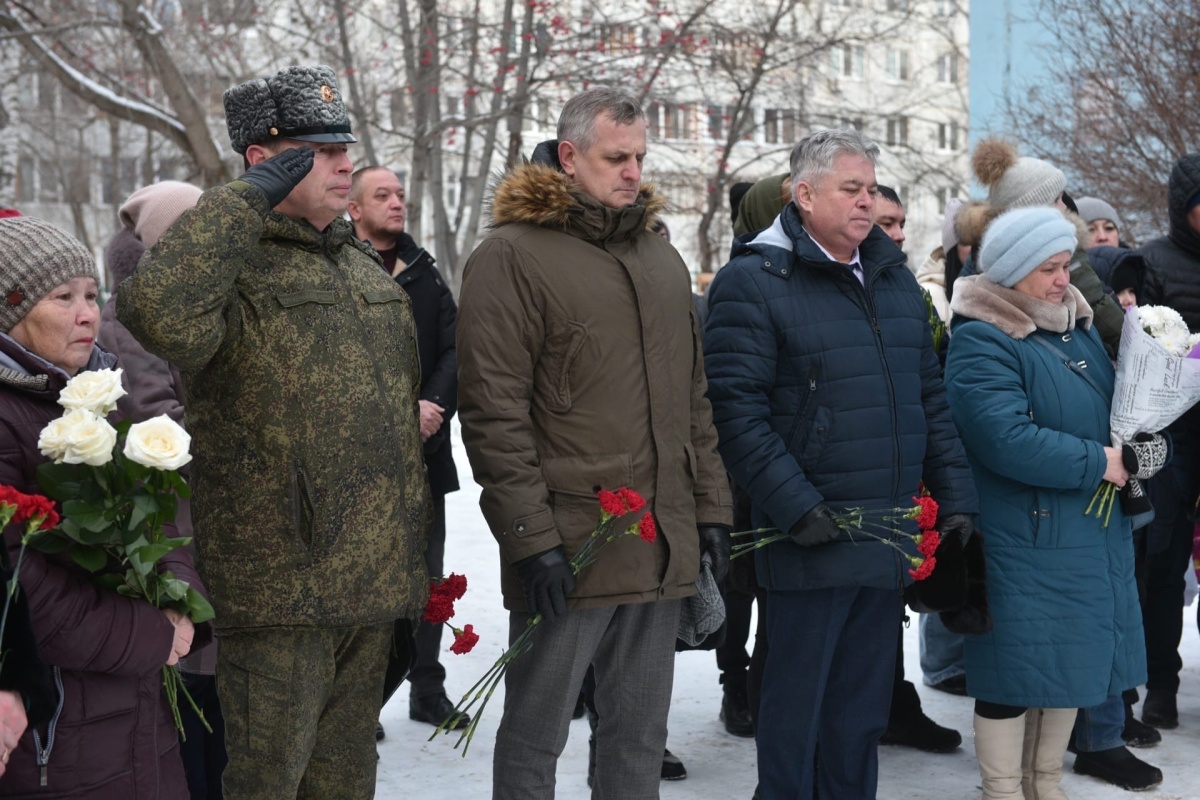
(114, 737)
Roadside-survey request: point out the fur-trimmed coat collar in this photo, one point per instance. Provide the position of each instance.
(541, 195)
(1015, 313)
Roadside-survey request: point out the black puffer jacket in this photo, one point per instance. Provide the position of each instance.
(1172, 276)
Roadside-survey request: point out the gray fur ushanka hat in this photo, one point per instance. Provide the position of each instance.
(296, 103)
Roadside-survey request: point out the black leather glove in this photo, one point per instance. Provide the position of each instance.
(278, 175)
(547, 580)
(815, 527)
(1146, 455)
(715, 541)
(959, 525)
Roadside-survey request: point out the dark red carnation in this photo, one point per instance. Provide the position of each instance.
(925, 570)
(439, 609)
(646, 527)
(455, 586)
(632, 499)
(464, 640)
(926, 512)
(611, 503)
(929, 543)
(36, 506)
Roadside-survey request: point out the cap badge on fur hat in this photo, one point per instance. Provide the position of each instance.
(296, 103)
(15, 296)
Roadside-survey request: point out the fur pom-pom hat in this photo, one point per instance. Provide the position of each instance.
(1016, 181)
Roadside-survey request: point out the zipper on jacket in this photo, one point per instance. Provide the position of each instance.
(873, 318)
(805, 407)
(43, 753)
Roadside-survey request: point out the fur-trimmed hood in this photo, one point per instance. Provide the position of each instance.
(974, 218)
(541, 195)
(1015, 313)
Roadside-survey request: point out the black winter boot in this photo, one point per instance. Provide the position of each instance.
(1160, 710)
(1137, 733)
(1119, 767)
(735, 709)
(909, 727)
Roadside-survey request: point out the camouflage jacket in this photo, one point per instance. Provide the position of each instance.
(299, 360)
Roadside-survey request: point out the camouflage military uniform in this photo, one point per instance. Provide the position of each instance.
(311, 503)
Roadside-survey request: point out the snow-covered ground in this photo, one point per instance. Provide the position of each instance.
(720, 766)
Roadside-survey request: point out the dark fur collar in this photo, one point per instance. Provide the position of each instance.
(1017, 314)
(541, 195)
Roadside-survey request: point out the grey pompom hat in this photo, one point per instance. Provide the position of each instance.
(296, 103)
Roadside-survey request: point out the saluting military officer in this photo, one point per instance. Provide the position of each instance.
(299, 359)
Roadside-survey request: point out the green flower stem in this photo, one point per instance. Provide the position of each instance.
(173, 683)
(483, 689)
(10, 591)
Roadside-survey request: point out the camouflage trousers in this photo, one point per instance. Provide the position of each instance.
(300, 708)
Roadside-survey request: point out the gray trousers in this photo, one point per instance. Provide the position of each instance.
(632, 648)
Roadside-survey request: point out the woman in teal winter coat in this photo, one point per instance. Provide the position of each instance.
(1030, 389)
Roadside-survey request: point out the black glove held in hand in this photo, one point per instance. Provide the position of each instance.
(816, 527)
(715, 541)
(278, 175)
(956, 525)
(1146, 455)
(547, 580)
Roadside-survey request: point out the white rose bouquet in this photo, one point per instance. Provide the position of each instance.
(118, 488)
(1157, 380)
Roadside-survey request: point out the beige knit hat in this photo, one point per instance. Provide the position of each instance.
(154, 208)
(35, 257)
(1016, 182)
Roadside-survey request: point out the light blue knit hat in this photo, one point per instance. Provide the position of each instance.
(1020, 240)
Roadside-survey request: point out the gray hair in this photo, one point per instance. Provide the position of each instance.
(577, 122)
(813, 156)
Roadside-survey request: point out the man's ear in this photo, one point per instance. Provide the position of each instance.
(256, 154)
(566, 157)
(354, 211)
(803, 195)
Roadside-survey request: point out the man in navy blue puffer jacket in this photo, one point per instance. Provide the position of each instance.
(827, 395)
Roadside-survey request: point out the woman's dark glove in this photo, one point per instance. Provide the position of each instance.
(816, 527)
(547, 579)
(715, 542)
(1146, 455)
(957, 525)
(278, 175)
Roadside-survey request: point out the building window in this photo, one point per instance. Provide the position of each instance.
(779, 125)
(653, 117)
(847, 60)
(947, 68)
(942, 196)
(897, 5)
(897, 131)
(897, 64)
(677, 124)
(947, 135)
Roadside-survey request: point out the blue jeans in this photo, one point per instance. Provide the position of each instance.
(941, 651)
(1099, 727)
